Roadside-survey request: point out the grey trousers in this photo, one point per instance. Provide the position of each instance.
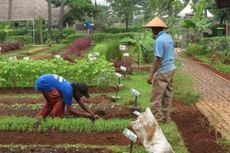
(161, 98)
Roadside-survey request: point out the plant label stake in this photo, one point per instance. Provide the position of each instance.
(123, 69)
(118, 75)
(131, 136)
(136, 113)
(126, 55)
(117, 89)
(136, 94)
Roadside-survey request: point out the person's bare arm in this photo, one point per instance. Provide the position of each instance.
(75, 112)
(84, 107)
(154, 69)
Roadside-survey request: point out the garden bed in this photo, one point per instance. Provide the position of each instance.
(196, 131)
(54, 138)
(53, 150)
(209, 67)
(20, 90)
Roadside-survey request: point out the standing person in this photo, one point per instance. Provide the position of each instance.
(89, 27)
(58, 92)
(162, 72)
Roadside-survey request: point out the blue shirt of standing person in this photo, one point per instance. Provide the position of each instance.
(88, 25)
(164, 49)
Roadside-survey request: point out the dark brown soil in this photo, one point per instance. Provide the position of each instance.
(55, 138)
(53, 150)
(19, 90)
(104, 111)
(224, 75)
(93, 100)
(195, 129)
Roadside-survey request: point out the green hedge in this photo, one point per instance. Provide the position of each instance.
(194, 49)
(23, 73)
(98, 37)
(120, 30)
(70, 38)
(215, 43)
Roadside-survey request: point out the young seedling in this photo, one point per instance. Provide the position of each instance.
(117, 89)
(118, 75)
(131, 136)
(136, 94)
(123, 69)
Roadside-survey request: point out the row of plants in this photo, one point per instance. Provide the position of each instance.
(28, 124)
(23, 73)
(217, 49)
(10, 46)
(77, 47)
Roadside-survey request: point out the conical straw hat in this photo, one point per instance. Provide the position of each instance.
(156, 22)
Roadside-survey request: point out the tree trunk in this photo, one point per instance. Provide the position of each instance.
(49, 18)
(96, 13)
(61, 17)
(10, 10)
(126, 23)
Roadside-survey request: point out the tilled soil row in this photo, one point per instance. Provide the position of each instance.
(21, 90)
(55, 138)
(215, 102)
(53, 150)
(198, 135)
(105, 111)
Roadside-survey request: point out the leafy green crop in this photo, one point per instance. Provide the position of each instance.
(23, 73)
(12, 123)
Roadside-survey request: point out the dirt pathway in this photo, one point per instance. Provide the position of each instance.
(215, 102)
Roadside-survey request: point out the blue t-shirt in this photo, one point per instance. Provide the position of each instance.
(47, 82)
(88, 25)
(164, 48)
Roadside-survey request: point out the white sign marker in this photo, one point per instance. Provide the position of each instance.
(135, 92)
(130, 135)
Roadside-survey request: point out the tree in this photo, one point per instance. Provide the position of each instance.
(222, 15)
(124, 8)
(79, 10)
(165, 7)
(198, 23)
(49, 18)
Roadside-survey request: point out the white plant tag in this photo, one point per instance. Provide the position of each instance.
(123, 68)
(118, 75)
(135, 92)
(130, 135)
(136, 113)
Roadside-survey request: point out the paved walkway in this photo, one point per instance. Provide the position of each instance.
(215, 101)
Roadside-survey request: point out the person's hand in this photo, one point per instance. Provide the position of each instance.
(151, 79)
(94, 117)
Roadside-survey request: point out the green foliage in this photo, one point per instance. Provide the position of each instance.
(113, 52)
(183, 87)
(78, 10)
(68, 31)
(98, 37)
(173, 136)
(115, 30)
(22, 124)
(23, 73)
(26, 39)
(194, 49)
(70, 38)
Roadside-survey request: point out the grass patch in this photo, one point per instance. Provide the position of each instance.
(218, 65)
(22, 124)
(184, 87)
(174, 137)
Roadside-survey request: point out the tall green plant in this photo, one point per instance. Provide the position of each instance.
(198, 23)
